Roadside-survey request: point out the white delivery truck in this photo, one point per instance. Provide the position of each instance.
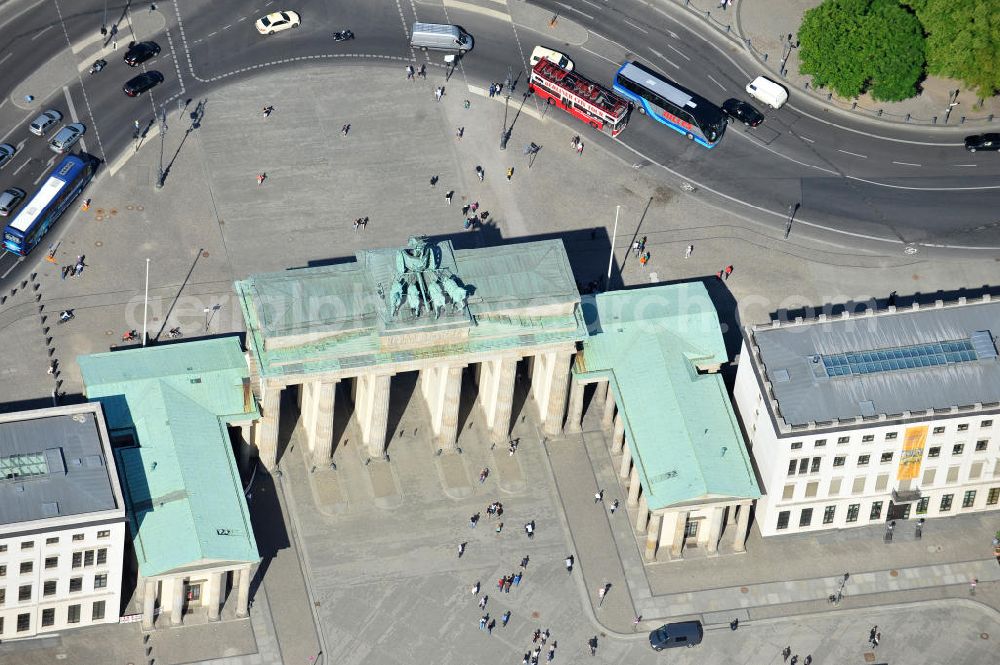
(440, 37)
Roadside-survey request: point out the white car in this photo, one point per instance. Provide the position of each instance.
(767, 91)
(67, 137)
(552, 56)
(276, 22)
(44, 121)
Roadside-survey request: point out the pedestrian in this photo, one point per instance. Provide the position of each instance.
(687, 252)
(614, 506)
(637, 619)
(473, 521)
(346, 128)
(592, 643)
(718, 275)
(871, 633)
(423, 71)
(465, 209)
(642, 243)
(534, 654)
(545, 635)
(729, 271)
(114, 44)
(579, 148)
(409, 72)
(529, 529)
(65, 271)
(491, 625)
(268, 110)
(483, 601)
(574, 141)
(878, 638)
(510, 173)
(505, 618)
(598, 496)
(537, 634)
(460, 133)
(493, 90)
(482, 621)
(551, 654)
(434, 181)
(499, 88)
(364, 223)
(517, 578)
(524, 661)
(474, 207)
(480, 173)
(438, 93)
(461, 550)
(483, 474)
(357, 224)
(787, 651)
(500, 583)
(499, 527)
(524, 562)
(569, 564)
(734, 624)
(808, 660)
(635, 248)
(644, 259)
(260, 178)
(794, 659)
(475, 588)
(507, 582)
(972, 586)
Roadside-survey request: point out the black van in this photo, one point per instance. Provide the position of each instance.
(670, 635)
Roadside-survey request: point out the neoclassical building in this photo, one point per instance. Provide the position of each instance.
(427, 308)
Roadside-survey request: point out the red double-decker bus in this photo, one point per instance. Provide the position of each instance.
(588, 101)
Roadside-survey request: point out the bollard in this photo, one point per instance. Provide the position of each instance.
(854, 105)
(765, 55)
(907, 117)
(989, 118)
(829, 96)
(934, 120)
(880, 113)
(962, 121)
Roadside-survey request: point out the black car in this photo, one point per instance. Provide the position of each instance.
(672, 635)
(743, 112)
(140, 52)
(982, 142)
(139, 84)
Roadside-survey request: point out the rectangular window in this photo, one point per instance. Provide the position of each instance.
(51, 562)
(73, 614)
(957, 449)
(952, 474)
(839, 461)
(852, 512)
(49, 588)
(811, 489)
(88, 558)
(52, 541)
(968, 499)
(3, 548)
(28, 545)
(3, 596)
(789, 492)
(981, 445)
(842, 440)
(859, 485)
(24, 592)
(77, 537)
(3, 571)
(828, 514)
(23, 622)
(886, 457)
(102, 556)
(101, 581)
(964, 427)
(77, 559)
(803, 465)
(27, 567)
(993, 497)
(48, 616)
(876, 512)
(75, 584)
(796, 445)
(939, 430)
(783, 519)
(891, 436)
(819, 443)
(791, 467)
(815, 465)
(976, 471)
(934, 451)
(867, 438)
(881, 482)
(922, 505)
(946, 502)
(97, 612)
(929, 477)
(835, 486)
(863, 460)
(806, 517)
(986, 423)
(104, 534)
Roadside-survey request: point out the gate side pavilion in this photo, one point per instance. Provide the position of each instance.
(655, 354)
(428, 308)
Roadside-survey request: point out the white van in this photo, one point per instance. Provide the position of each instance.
(556, 57)
(440, 37)
(767, 91)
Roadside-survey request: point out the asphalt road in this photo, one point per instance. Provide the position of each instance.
(856, 182)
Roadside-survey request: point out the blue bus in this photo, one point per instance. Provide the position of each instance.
(666, 102)
(60, 189)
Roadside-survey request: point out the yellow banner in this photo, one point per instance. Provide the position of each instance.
(913, 453)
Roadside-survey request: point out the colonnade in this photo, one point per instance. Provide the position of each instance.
(169, 592)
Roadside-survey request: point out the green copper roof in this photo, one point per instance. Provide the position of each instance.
(680, 425)
(334, 318)
(182, 487)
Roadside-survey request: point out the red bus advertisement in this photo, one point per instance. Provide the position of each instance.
(594, 104)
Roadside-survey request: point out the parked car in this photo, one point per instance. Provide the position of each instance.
(982, 142)
(137, 85)
(742, 112)
(277, 21)
(67, 137)
(140, 52)
(6, 153)
(10, 199)
(40, 125)
(672, 635)
(552, 56)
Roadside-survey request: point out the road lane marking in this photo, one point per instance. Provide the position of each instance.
(602, 57)
(637, 27)
(665, 59)
(227, 26)
(42, 32)
(5, 58)
(574, 9)
(846, 152)
(925, 189)
(45, 171)
(18, 169)
(906, 164)
(967, 165)
(476, 9)
(677, 52)
(673, 34)
(592, 4)
(241, 19)
(807, 139)
(211, 34)
(716, 82)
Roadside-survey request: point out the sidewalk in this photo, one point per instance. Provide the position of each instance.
(763, 27)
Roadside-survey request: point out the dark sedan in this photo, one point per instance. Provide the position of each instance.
(139, 84)
(140, 52)
(982, 142)
(742, 112)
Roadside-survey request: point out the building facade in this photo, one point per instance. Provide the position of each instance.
(874, 417)
(62, 522)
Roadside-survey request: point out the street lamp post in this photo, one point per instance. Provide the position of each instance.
(162, 176)
(792, 209)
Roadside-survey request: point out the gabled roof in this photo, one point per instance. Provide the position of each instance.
(680, 425)
(181, 483)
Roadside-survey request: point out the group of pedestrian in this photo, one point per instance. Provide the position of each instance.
(874, 636)
(361, 223)
(495, 509)
(787, 651)
(512, 447)
(495, 89)
(577, 145)
(538, 640)
(725, 272)
(76, 269)
(639, 248)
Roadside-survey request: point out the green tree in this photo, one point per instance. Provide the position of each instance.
(852, 46)
(963, 41)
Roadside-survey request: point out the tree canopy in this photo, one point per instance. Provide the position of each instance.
(854, 46)
(963, 41)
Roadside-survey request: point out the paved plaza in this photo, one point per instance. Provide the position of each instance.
(379, 541)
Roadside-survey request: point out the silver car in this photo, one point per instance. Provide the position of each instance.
(6, 153)
(40, 125)
(67, 137)
(10, 200)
